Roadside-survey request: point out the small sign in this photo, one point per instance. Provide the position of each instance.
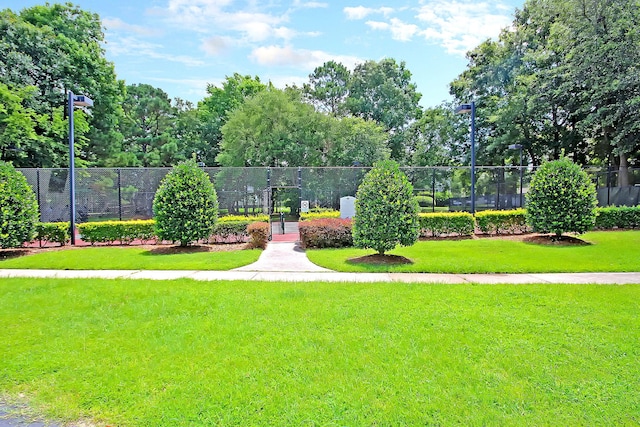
(304, 206)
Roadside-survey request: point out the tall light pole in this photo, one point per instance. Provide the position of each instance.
(80, 101)
(471, 108)
(518, 147)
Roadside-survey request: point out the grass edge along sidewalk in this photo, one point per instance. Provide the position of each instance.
(134, 353)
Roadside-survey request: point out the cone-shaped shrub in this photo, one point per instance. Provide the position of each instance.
(185, 206)
(18, 208)
(386, 210)
(561, 199)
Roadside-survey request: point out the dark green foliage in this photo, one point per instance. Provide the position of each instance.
(18, 208)
(443, 224)
(230, 231)
(186, 205)
(386, 210)
(123, 232)
(52, 232)
(502, 222)
(561, 199)
(618, 217)
(326, 233)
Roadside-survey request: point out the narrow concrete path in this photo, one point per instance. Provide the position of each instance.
(283, 257)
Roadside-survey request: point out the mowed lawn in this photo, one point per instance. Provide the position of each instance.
(606, 251)
(131, 258)
(183, 353)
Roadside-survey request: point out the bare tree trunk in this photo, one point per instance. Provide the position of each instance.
(623, 171)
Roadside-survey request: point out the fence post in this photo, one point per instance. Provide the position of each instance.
(433, 191)
(119, 196)
(609, 185)
(38, 192)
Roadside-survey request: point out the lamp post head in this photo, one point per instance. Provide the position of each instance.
(515, 147)
(463, 109)
(82, 101)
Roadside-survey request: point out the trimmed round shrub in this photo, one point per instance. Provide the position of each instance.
(561, 199)
(185, 206)
(386, 210)
(18, 208)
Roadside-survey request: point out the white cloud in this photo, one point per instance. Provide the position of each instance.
(299, 4)
(197, 88)
(399, 30)
(130, 46)
(112, 24)
(361, 12)
(301, 58)
(461, 25)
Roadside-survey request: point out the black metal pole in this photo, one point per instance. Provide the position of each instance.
(521, 179)
(119, 196)
(72, 184)
(473, 157)
(433, 191)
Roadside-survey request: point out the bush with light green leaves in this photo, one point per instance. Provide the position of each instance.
(18, 208)
(561, 199)
(185, 206)
(386, 210)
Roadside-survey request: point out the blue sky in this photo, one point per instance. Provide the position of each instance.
(181, 45)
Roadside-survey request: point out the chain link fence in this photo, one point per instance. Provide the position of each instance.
(127, 193)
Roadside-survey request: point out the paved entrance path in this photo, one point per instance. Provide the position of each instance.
(283, 257)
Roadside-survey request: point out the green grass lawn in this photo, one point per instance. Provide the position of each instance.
(183, 353)
(610, 251)
(131, 258)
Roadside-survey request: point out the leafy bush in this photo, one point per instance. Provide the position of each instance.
(502, 222)
(319, 215)
(258, 234)
(124, 232)
(246, 218)
(386, 210)
(18, 208)
(185, 206)
(230, 231)
(53, 232)
(561, 199)
(326, 233)
(618, 217)
(446, 223)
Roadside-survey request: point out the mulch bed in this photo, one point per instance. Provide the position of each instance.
(378, 259)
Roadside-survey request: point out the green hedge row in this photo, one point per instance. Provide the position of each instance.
(617, 217)
(442, 224)
(502, 222)
(124, 232)
(229, 229)
(52, 232)
(309, 216)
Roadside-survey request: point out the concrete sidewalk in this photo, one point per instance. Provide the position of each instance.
(290, 276)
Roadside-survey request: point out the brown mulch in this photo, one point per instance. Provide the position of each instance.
(381, 260)
(552, 239)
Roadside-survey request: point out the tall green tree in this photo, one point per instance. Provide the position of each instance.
(57, 48)
(214, 110)
(147, 126)
(274, 128)
(383, 92)
(562, 79)
(328, 88)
